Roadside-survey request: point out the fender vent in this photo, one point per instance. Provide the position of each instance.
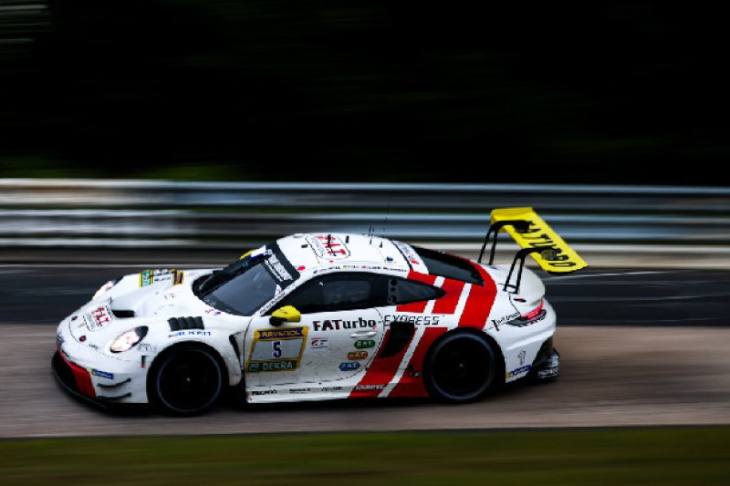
(178, 323)
(401, 333)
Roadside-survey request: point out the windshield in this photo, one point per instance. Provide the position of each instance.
(243, 286)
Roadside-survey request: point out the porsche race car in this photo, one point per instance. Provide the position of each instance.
(318, 316)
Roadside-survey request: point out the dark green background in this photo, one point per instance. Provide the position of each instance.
(564, 92)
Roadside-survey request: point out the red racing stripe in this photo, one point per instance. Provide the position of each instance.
(447, 304)
(82, 378)
(479, 302)
(411, 383)
(379, 374)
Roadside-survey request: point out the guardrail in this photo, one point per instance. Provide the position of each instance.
(62, 213)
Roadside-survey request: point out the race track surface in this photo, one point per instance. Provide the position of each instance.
(637, 348)
(611, 376)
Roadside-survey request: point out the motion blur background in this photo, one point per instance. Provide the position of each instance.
(364, 90)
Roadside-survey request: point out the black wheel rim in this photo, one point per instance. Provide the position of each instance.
(463, 369)
(189, 382)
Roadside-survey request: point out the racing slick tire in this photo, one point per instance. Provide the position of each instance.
(462, 367)
(186, 380)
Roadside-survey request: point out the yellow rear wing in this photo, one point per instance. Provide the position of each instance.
(535, 237)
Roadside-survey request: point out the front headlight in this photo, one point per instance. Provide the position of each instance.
(104, 288)
(128, 340)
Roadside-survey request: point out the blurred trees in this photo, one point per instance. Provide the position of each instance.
(625, 93)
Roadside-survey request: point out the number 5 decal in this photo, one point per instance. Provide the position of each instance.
(276, 349)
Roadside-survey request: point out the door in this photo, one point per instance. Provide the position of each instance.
(336, 338)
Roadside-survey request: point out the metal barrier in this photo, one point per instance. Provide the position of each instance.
(62, 213)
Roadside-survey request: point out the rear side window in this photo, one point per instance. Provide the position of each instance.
(449, 266)
(402, 291)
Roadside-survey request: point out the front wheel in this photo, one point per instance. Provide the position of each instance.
(461, 368)
(186, 380)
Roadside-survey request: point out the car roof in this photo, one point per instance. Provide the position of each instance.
(316, 252)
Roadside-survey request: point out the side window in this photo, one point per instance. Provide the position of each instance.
(348, 291)
(308, 298)
(338, 291)
(402, 291)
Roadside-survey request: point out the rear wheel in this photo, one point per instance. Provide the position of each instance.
(462, 367)
(186, 380)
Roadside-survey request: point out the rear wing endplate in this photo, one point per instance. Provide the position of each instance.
(535, 237)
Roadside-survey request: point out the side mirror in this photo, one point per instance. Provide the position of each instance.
(284, 314)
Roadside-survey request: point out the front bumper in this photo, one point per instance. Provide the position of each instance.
(93, 376)
(77, 381)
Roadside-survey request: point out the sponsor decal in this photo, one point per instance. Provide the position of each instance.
(331, 388)
(145, 348)
(276, 349)
(286, 365)
(548, 372)
(328, 246)
(519, 371)
(277, 268)
(415, 319)
(369, 387)
(355, 355)
(504, 319)
(340, 324)
(408, 252)
(349, 366)
(299, 391)
(521, 356)
(189, 332)
(213, 312)
(320, 343)
(148, 277)
(263, 392)
(102, 374)
(364, 343)
(295, 332)
(99, 318)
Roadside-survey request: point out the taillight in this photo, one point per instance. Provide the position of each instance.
(528, 318)
(533, 313)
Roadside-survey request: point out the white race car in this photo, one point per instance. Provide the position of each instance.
(319, 317)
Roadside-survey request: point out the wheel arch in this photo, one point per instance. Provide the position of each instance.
(467, 330)
(182, 345)
(499, 360)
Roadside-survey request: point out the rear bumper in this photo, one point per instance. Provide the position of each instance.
(546, 366)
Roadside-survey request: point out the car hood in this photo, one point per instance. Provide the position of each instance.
(164, 295)
(162, 304)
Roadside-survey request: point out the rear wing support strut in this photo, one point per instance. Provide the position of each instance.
(519, 224)
(520, 256)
